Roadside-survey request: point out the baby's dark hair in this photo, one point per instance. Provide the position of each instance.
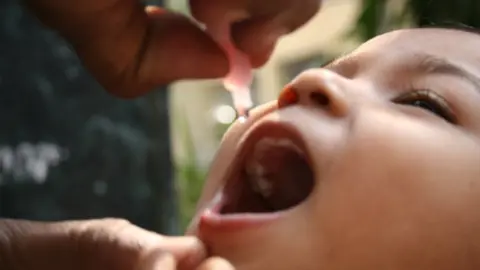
(451, 25)
(454, 26)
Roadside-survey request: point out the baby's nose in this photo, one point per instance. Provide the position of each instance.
(319, 88)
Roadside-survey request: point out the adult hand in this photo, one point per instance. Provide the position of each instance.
(257, 24)
(98, 245)
(130, 50)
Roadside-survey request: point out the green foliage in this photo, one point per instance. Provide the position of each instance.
(375, 18)
(464, 12)
(372, 19)
(117, 155)
(190, 182)
(189, 176)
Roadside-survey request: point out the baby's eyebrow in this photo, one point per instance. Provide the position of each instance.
(431, 64)
(421, 63)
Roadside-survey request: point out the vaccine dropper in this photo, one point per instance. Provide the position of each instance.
(240, 75)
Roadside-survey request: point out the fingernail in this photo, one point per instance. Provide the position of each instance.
(166, 261)
(216, 263)
(188, 250)
(157, 260)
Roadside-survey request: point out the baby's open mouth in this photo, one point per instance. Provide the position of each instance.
(272, 173)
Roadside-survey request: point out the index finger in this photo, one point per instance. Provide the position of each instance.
(189, 251)
(239, 10)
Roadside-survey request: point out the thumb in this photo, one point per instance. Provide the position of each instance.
(215, 263)
(257, 38)
(188, 251)
(163, 48)
(173, 252)
(178, 49)
(157, 260)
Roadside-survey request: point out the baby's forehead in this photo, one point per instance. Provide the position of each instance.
(423, 38)
(454, 45)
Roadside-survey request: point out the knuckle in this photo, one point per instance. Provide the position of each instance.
(116, 222)
(8, 254)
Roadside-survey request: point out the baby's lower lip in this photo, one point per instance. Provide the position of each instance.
(212, 221)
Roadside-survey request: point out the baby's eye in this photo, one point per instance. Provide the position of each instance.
(427, 100)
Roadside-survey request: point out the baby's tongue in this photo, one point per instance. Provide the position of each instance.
(280, 173)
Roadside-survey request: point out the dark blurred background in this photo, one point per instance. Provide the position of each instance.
(68, 150)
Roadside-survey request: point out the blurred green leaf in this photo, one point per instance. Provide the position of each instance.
(370, 20)
(374, 18)
(441, 12)
(190, 176)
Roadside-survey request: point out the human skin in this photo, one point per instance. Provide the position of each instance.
(98, 244)
(131, 50)
(396, 181)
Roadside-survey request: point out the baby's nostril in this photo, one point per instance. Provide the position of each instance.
(319, 99)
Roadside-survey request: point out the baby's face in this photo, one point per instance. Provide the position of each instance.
(370, 163)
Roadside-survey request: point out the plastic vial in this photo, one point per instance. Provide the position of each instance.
(240, 76)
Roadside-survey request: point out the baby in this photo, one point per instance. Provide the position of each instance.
(372, 162)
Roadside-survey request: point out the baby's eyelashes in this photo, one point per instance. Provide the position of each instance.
(429, 101)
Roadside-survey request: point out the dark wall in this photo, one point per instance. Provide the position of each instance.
(100, 156)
